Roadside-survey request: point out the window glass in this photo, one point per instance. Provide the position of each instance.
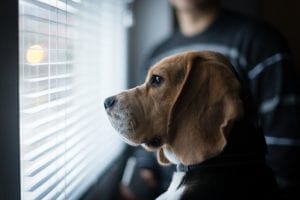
(72, 56)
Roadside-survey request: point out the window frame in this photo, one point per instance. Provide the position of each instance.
(9, 98)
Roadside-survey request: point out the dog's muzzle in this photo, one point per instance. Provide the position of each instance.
(120, 117)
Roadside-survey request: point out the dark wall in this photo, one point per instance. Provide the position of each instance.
(285, 16)
(248, 7)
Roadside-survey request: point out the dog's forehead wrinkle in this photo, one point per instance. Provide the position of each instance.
(179, 75)
(159, 70)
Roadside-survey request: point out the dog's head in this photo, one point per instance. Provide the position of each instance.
(185, 108)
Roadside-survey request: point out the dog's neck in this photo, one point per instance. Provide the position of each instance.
(245, 143)
(220, 161)
(170, 156)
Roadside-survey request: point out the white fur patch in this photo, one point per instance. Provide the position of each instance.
(171, 156)
(173, 193)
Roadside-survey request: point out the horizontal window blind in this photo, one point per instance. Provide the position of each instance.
(72, 56)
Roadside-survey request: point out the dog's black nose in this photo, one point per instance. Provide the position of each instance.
(109, 102)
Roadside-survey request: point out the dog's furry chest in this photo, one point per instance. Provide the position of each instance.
(174, 192)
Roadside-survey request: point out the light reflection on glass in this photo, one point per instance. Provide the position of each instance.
(35, 54)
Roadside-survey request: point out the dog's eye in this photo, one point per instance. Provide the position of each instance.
(154, 142)
(156, 80)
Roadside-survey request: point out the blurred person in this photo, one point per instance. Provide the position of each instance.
(262, 60)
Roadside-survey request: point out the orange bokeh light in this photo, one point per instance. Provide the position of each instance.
(35, 54)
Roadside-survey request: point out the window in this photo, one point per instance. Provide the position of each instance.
(72, 56)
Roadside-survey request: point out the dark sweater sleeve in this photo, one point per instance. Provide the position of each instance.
(275, 89)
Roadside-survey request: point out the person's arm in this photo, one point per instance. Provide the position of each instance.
(274, 86)
(144, 180)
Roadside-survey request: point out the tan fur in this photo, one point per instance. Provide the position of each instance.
(192, 111)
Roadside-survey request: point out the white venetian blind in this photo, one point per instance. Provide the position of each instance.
(72, 56)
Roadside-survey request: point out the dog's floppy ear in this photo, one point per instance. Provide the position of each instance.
(205, 108)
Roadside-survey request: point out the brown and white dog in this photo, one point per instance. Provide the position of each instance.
(192, 111)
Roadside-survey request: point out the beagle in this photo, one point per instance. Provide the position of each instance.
(194, 112)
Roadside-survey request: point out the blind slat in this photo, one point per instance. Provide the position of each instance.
(62, 76)
(73, 163)
(59, 126)
(48, 105)
(49, 91)
(48, 34)
(49, 5)
(50, 63)
(54, 159)
(50, 145)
